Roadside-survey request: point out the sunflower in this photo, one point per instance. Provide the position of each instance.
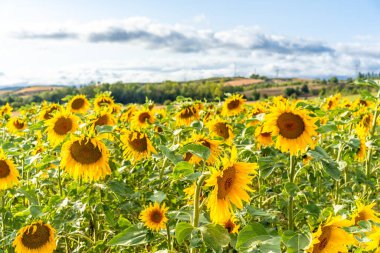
(332, 102)
(35, 238)
(85, 157)
(331, 237)
(258, 108)
(189, 192)
(60, 125)
(187, 114)
(365, 213)
(48, 111)
(233, 105)
(16, 125)
(6, 110)
(104, 118)
(362, 151)
(201, 139)
(103, 100)
(221, 128)
(366, 121)
(231, 225)
(136, 145)
(292, 126)
(8, 173)
(374, 243)
(230, 186)
(154, 216)
(263, 138)
(127, 115)
(78, 104)
(142, 118)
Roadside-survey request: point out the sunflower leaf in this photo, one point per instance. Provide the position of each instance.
(196, 149)
(182, 231)
(129, 237)
(170, 154)
(215, 237)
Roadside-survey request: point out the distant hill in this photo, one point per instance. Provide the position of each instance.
(28, 90)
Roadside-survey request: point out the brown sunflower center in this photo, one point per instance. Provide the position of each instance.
(206, 143)
(330, 104)
(156, 216)
(85, 152)
(19, 124)
(139, 144)
(363, 102)
(323, 239)
(226, 182)
(36, 236)
(104, 101)
(49, 112)
(188, 156)
(77, 103)
(222, 130)
(229, 225)
(233, 104)
(102, 120)
(291, 125)
(266, 135)
(4, 169)
(363, 215)
(63, 125)
(143, 117)
(188, 113)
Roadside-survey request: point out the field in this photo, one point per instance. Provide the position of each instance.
(276, 175)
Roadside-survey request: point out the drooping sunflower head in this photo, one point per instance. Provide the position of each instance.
(187, 114)
(233, 105)
(331, 237)
(366, 121)
(60, 126)
(257, 109)
(136, 145)
(362, 150)
(293, 128)
(103, 100)
(9, 175)
(154, 216)
(365, 213)
(142, 118)
(78, 104)
(6, 110)
(127, 115)
(231, 225)
(85, 157)
(374, 243)
(263, 138)
(202, 139)
(230, 186)
(361, 103)
(104, 118)
(221, 128)
(48, 111)
(16, 125)
(332, 102)
(34, 238)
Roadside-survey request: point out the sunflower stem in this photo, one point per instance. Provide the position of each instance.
(291, 199)
(337, 183)
(2, 214)
(59, 182)
(196, 204)
(168, 237)
(163, 168)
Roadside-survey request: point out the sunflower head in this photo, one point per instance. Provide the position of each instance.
(85, 157)
(231, 225)
(48, 111)
(154, 216)
(16, 125)
(60, 126)
(127, 115)
(362, 151)
(293, 128)
(221, 128)
(103, 100)
(6, 110)
(142, 118)
(233, 105)
(37, 237)
(202, 139)
(8, 173)
(263, 138)
(78, 104)
(187, 114)
(365, 212)
(136, 145)
(104, 118)
(332, 102)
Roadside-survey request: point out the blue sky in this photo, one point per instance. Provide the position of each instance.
(75, 42)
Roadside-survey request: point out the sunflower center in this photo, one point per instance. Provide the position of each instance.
(188, 113)
(63, 125)
(188, 156)
(226, 182)
(233, 104)
(104, 101)
(4, 169)
(363, 102)
(206, 144)
(156, 216)
(291, 125)
(267, 135)
(49, 112)
(143, 117)
(19, 124)
(323, 239)
(36, 236)
(362, 216)
(102, 120)
(77, 103)
(222, 130)
(139, 144)
(85, 152)
(229, 225)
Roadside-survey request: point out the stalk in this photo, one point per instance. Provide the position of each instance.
(168, 237)
(291, 199)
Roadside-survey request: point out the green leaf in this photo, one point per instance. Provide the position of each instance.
(329, 127)
(182, 231)
(196, 149)
(119, 188)
(182, 169)
(296, 242)
(215, 236)
(254, 236)
(30, 195)
(129, 237)
(158, 196)
(170, 154)
(35, 211)
(104, 129)
(331, 168)
(291, 188)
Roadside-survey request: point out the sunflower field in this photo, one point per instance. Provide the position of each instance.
(277, 175)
